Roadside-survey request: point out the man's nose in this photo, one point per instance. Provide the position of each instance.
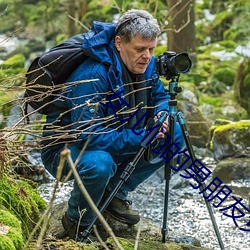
(146, 54)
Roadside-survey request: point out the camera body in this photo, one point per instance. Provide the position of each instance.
(171, 65)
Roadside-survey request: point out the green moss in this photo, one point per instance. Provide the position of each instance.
(221, 133)
(16, 61)
(160, 50)
(90, 247)
(225, 75)
(212, 100)
(128, 244)
(219, 102)
(9, 219)
(221, 122)
(21, 199)
(13, 239)
(228, 45)
(16, 237)
(236, 125)
(13, 71)
(60, 38)
(6, 243)
(174, 246)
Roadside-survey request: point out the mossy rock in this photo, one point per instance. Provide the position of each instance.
(11, 237)
(21, 199)
(128, 244)
(230, 139)
(219, 107)
(150, 235)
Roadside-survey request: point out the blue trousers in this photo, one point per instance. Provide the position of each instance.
(99, 171)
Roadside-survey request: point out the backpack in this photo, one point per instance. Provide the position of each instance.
(47, 74)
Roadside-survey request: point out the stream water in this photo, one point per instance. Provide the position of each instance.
(188, 216)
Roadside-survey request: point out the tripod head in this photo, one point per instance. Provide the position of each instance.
(171, 65)
(174, 88)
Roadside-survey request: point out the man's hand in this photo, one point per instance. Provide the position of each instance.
(164, 128)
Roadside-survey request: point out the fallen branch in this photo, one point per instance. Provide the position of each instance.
(65, 154)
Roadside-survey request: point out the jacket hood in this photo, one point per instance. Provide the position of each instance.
(98, 43)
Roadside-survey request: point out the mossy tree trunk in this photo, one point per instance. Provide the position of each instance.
(242, 85)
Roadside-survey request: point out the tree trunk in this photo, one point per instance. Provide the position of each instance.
(83, 7)
(71, 6)
(181, 27)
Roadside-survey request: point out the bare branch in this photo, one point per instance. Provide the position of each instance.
(66, 154)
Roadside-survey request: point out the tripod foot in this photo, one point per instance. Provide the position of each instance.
(164, 232)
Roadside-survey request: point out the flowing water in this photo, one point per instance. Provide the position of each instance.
(188, 216)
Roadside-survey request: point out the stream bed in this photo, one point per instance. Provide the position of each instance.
(187, 213)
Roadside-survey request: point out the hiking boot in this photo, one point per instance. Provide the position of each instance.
(75, 231)
(121, 211)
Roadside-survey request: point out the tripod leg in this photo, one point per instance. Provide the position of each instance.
(124, 176)
(167, 179)
(181, 121)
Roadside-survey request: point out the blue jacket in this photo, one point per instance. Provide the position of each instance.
(87, 118)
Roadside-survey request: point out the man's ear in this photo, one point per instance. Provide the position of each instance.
(118, 42)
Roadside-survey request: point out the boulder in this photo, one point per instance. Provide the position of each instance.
(149, 238)
(230, 169)
(197, 125)
(231, 139)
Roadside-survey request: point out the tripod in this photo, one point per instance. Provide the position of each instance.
(173, 90)
(129, 168)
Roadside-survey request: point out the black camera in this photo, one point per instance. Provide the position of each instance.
(170, 64)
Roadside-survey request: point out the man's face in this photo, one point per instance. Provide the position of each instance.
(137, 53)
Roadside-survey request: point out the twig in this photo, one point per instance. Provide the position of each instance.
(45, 217)
(137, 236)
(77, 21)
(66, 155)
(99, 238)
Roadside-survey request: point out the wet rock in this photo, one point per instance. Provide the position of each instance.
(231, 169)
(179, 182)
(150, 234)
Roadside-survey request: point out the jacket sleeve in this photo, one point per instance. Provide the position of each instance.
(89, 118)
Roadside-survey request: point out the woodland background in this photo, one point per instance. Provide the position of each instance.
(214, 33)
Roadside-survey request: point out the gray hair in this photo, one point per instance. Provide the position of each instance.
(137, 22)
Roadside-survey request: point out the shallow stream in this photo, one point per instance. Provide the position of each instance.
(187, 212)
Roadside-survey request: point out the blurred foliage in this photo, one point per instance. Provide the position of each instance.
(221, 27)
(242, 84)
